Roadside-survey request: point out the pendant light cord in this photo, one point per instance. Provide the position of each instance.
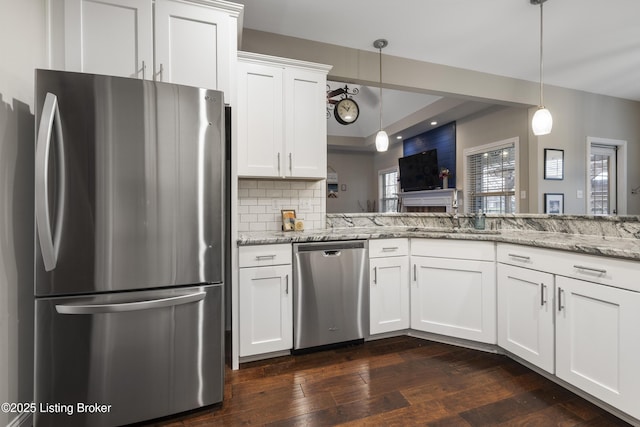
(541, 56)
(380, 55)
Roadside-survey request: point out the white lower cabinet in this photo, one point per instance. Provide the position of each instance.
(598, 341)
(525, 314)
(265, 299)
(388, 285)
(454, 296)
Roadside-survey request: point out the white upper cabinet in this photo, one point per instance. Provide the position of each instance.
(112, 37)
(194, 44)
(282, 126)
(191, 42)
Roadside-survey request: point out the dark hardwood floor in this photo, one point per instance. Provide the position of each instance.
(394, 382)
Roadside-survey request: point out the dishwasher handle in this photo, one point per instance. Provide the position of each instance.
(332, 253)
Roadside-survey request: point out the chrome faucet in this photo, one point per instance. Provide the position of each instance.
(454, 206)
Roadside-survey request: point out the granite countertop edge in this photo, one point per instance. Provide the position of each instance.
(614, 247)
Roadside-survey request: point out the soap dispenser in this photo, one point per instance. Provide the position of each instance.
(480, 220)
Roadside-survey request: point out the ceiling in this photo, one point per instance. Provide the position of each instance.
(589, 45)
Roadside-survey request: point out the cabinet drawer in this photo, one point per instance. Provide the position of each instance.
(606, 271)
(524, 256)
(257, 256)
(455, 249)
(388, 247)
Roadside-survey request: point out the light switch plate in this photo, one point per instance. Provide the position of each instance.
(579, 194)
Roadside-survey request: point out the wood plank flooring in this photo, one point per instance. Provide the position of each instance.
(400, 381)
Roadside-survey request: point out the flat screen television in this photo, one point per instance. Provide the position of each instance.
(419, 171)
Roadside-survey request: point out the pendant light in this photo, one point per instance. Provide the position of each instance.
(542, 121)
(382, 139)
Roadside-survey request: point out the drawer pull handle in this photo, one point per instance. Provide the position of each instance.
(543, 300)
(390, 249)
(261, 257)
(595, 270)
(522, 257)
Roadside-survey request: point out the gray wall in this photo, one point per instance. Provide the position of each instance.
(22, 43)
(356, 171)
(577, 115)
(492, 125)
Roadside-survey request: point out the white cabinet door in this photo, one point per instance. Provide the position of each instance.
(525, 314)
(260, 118)
(597, 341)
(305, 123)
(454, 297)
(266, 323)
(282, 125)
(192, 45)
(388, 294)
(112, 37)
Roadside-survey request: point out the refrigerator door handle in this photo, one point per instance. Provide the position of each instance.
(129, 306)
(49, 243)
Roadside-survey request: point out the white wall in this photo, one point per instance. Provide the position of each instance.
(22, 49)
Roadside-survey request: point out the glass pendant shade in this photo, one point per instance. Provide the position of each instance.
(382, 141)
(542, 122)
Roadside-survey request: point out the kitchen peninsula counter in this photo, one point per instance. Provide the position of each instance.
(617, 237)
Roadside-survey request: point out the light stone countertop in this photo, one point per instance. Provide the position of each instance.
(617, 247)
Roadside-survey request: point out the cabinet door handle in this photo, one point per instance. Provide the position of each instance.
(595, 270)
(560, 306)
(261, 257)
(522, 257)
(278, 163)
(161, 72)
(144, 68)
(375, 275)
(415, 274)
(286, 284)
(543, 300)
(290, 164)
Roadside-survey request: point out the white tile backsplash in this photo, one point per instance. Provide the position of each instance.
(261, 200)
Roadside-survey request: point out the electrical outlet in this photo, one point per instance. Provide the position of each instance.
(579, 194)
(523, 194)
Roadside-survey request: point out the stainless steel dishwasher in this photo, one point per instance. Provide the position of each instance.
(331, 293)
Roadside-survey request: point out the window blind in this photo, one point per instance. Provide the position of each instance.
(490, 180)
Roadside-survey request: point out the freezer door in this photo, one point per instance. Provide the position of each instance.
(129, 184)
(142, 355)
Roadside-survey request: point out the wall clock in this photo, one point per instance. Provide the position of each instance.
(346, 111)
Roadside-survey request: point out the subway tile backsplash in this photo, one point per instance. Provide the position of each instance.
(261, 200)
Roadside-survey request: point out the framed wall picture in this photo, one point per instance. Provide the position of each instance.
(553, 203)
(553, 164)
(288, 219)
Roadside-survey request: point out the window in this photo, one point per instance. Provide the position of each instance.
(491, 177)
(602, 178)
(388, 184)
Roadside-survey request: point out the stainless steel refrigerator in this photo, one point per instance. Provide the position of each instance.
(130, 217)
